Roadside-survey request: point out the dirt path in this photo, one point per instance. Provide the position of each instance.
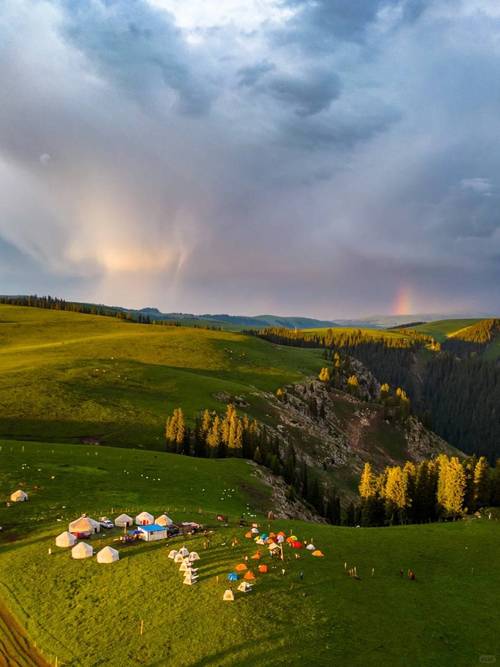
(16, 650)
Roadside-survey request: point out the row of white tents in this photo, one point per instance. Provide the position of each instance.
(186, 560)
(86, 524)
(105, 555)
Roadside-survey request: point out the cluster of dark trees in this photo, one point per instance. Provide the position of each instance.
(456, 395)
(230, 435)
(342, 338)
(443, 488)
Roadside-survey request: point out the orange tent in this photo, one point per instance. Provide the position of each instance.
(272, 535)
(318, 553)
(249, 535)
(249, 576)
(263, 568)
(256, 556)
(241, 567)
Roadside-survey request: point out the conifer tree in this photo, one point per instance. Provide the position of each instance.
(481, 483)
(324, 374)
(367, 485)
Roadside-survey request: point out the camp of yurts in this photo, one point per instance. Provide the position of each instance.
(82, 550)
(107, 555)
(123, 521)
(19, 496)
(65, 540)
(144, 519)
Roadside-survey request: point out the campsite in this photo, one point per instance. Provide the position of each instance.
(314, 611)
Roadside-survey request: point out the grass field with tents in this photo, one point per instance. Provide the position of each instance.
(90, 614)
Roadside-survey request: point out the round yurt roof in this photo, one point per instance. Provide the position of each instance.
(82, 550)
(65, 539)
(18, 496)
(164, 520)
(108, 555)
(123, 520)
(81, 525)
(144, 516)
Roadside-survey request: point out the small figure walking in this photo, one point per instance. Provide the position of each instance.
(301, 575)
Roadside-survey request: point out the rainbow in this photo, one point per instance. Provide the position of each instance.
(402, 301)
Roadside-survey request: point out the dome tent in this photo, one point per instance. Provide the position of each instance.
(228, 595)
(108, 555)
(183, 552)
(82, 550)
(172, 554)
(144, 519)
(19, 496)
(164, 520)
(193, 556)
(245, 587)
(123, 521)
(65, 539)
(311, 547)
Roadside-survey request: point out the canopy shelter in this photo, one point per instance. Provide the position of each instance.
(82, 550)
(144, 519)
(82, 527)
(65, 539)
(108, 555)
(124, 521)
(164, 520)
(19, 496)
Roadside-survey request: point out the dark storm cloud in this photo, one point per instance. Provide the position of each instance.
(311, 157)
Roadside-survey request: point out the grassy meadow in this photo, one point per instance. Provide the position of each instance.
(442, 329)
(68, 376)
(88, 614)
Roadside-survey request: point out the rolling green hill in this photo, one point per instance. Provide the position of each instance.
(70, 376)
(441, 329)
(88, 614)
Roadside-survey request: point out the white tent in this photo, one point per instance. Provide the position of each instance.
(19, 496)
(178, 558)
(65, 540)
(172, 554)
(311, 547)
(245, 587)
(82, 525)
(82, 550)
(190, 579)
(123, 521)
(184, 566)
(144, 519)
(164, 520)
(193, 556)
(228, 595)
(183, 552)
(255, 531)
(107, 555)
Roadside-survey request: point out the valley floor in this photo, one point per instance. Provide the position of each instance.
(88, 614)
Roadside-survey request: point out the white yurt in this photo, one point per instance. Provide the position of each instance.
(183, 552)
(311, 547)
(123, 521)
(193, 556)
(65, 540)
(144, 519)
(108, 555)
(81, 526)
(19, 496)
(82, 550)
(172, 554)
(164, 520)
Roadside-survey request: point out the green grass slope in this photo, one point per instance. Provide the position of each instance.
(67, 376)
(441, 329)
(88, 614)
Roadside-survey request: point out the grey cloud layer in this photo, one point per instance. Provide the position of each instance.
(316, 165)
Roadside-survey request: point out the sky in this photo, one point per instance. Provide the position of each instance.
(329, 158)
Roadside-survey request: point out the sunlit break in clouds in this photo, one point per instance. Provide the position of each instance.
(313, 158)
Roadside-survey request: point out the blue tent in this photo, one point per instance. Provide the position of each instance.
(264, 536)
(232, 576)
